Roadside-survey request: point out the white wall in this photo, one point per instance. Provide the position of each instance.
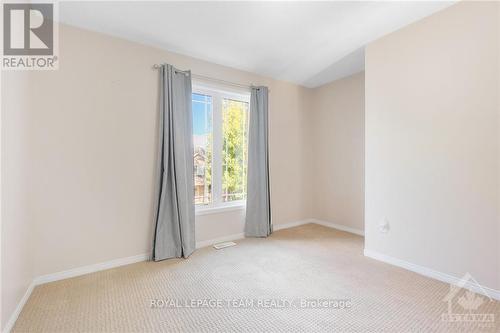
(432, 142)
(336, 140)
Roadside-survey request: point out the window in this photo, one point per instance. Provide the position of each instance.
(220, 137)
(202, 140)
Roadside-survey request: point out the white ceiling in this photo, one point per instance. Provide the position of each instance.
(308, 43)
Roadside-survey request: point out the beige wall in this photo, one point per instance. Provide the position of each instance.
(78, 150)
(17, 221)
(432, 142)
(336, 142)
(95, 144)
(79, 159)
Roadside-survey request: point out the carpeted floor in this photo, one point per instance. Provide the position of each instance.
(267, 285)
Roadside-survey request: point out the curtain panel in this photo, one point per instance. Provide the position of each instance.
(258, 211)
(174, 206)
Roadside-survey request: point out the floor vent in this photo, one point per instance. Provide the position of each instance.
(223, 245)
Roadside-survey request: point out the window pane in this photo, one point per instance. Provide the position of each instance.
(202, 139)
(234, 150)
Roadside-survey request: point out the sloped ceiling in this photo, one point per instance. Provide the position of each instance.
(308, 43)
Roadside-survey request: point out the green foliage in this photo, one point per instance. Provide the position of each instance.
(208, 163)
(234, 150)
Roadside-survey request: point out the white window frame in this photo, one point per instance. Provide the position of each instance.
(218, 94)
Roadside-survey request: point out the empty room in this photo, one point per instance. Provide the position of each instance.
(255, 166)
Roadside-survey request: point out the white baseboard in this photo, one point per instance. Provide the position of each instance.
(69, 274)
(12, 320)
(320, 222)
(213, 241)
(90, 269)
(241, 235)
(282, 226)
(338, 227)
(143, 257)
(428, 272)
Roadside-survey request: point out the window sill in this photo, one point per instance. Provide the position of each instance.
(220, 209)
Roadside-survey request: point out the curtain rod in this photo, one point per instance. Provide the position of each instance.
(203, 77)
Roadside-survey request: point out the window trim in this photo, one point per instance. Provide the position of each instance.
(218, 94)
(224, 207)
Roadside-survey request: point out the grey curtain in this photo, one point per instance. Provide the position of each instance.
(174, 210)
(258, 211)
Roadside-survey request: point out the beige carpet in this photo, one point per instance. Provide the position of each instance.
(307, 262)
